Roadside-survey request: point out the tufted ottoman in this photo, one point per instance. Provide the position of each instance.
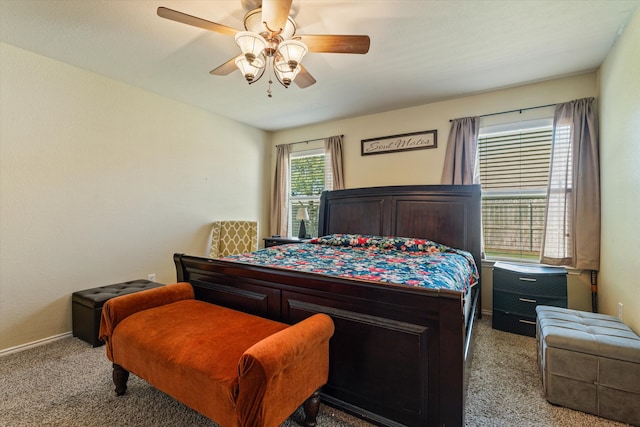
(86, 307)
(589, 362)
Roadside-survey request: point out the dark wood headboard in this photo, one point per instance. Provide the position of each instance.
(448, 214)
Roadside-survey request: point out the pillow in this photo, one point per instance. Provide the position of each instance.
(408, 244)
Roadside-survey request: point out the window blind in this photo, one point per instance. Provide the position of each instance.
(515, 160)
(514, 174)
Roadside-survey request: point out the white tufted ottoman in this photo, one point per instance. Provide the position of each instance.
(589, 362)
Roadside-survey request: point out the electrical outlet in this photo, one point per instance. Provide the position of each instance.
(620, 306)
(151, 277)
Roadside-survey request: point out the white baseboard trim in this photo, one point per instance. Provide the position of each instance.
(487, 313)
(33, 344)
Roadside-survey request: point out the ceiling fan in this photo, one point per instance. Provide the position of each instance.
(271, 44)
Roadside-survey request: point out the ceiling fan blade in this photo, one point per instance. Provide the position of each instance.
(174, 15)
(335, 43)
(304, 79)
(226, 68)
(275, 13)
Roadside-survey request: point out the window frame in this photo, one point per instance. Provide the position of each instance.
(293, 225)
(520, 126)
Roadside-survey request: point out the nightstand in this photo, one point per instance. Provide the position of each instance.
(517, 291)
(275, 241)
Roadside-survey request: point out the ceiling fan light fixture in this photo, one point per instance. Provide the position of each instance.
(284, 74)
(292, 52)
(252, 71)
(276, 49)
(251, 44)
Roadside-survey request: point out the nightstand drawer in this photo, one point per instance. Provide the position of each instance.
(547, 281)
(521, 325)
(524, 305)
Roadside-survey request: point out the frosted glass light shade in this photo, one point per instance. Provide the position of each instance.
(251, 44)
(285, 74)
(250, 71)
(292, 52)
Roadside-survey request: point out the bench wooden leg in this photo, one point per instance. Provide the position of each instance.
(311, 407)
(120, 377)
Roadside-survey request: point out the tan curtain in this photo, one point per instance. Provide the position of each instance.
(572, 225)
(462, 150)
(333, 159)
(279, 204)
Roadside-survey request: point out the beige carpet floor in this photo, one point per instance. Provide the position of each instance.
(67, 383)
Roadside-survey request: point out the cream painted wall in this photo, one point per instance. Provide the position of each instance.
(101, 183)
(425, 166)
(620, 177)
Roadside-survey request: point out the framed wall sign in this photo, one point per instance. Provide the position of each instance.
(405, 142)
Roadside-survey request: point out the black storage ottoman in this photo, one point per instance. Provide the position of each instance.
(86, 307)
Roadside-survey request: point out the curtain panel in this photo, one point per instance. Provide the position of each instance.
(572, 226)
(334, 163)
(279, 204)
(462, 150)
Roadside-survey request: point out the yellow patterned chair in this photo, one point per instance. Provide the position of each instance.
(233, 237)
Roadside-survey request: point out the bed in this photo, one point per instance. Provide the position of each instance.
(400, 353)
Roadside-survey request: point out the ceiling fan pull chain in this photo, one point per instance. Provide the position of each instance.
(270, 59)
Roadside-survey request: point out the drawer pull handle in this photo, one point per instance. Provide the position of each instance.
(528, 322)
(527, 279)
(527, 300)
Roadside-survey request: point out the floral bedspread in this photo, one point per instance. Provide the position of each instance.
(397, 260)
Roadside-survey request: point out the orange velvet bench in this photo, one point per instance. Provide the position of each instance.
(235, 368)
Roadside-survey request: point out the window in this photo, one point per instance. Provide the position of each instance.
(514, 174)
(309, 178)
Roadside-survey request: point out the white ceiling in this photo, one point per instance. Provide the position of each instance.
(421, 51)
